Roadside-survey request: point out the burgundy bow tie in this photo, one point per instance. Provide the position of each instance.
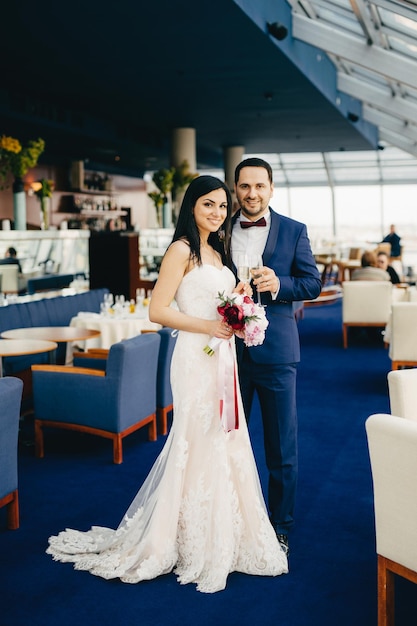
(260, 222)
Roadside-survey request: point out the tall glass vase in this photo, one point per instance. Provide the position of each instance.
(159, 215)
(44, 213)
(167, 214)
(19, 204)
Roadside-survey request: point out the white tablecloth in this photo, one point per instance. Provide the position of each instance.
(112, 329)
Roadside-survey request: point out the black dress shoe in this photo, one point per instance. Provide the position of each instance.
(283, 542)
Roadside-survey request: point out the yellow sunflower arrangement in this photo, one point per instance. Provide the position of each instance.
(15, 159)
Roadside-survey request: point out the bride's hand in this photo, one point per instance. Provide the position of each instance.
(221, 330)
(243, 289)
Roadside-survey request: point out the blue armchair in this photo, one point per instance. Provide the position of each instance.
(163, 389)
(111, 403)
(96, 358)
(10, 399)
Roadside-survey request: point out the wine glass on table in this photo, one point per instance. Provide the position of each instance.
(256, 263)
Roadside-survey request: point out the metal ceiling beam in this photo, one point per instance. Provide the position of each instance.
(395, 140)
(359, 9)
(387, 64)
(378, 97)
(380, 119)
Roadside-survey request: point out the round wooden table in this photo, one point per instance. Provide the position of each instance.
(19, 347)
(60, 334)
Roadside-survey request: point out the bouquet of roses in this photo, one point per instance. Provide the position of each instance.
(247, 319)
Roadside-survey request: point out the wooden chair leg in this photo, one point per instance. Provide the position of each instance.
(13, 512)
(162, 418)
(345, 336)
(152, 432)
(39, 446)
(117, 449)
(386, 594)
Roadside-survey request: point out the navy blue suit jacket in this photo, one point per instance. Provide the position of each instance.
(288, 253)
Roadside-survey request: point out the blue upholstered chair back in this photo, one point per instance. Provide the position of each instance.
(164, 392)
(10, 398)
(132, 371)
(126, 394)
(46, 312)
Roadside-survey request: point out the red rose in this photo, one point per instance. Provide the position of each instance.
(233, 315)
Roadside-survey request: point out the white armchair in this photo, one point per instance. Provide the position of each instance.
(365, 303)
(392, 446)
(403, 335)
(402, 386)
(9, 278)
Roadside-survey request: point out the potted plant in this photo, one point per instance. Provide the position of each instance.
(182, 178)
(16, 160)
(163, 180)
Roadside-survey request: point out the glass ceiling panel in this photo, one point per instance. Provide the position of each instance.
(362, 175)
(399, 175)
(279, 177)
(371, 77)
(396, 156)
(344, 22)
(388, 166)
(403, 47)
(411, 93)
(398, 22)
(309, 159)
(306, 177)
(347, 159)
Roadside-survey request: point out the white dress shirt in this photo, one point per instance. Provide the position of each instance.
(250, 241)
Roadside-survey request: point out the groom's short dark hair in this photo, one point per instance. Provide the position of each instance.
(253, 162)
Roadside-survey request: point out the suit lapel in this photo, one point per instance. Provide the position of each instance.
(271, 242)
(234, 218)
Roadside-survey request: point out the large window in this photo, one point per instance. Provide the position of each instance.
(310, 205)
(348, 198)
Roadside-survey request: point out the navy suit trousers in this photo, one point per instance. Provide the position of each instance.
(275, 385)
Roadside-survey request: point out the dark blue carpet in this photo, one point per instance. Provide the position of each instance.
(332, 579)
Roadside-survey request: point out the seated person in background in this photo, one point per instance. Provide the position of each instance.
(369, 269)
(394, 240)
(382, 261)
(10, 258)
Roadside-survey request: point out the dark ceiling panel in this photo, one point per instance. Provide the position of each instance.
(99, 83)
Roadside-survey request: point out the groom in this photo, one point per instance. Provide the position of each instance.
(289, 274)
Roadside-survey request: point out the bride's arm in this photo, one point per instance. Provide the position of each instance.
(173, 269)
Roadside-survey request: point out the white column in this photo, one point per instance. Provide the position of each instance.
(232, 155)
(183, 148)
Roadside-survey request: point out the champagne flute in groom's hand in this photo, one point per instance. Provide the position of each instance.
(256, 263)
(243, 267)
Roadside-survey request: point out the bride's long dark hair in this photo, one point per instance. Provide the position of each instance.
(187, 228)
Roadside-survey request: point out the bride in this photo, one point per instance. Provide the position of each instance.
(200, 511)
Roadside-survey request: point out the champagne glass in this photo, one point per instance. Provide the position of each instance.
(255, 264)
(243, 267)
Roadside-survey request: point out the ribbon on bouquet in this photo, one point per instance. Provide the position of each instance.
(227, 387)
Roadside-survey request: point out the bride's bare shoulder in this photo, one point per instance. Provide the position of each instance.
(180, 246)
(179, 252)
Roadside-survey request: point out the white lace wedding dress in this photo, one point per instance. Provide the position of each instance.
(200, 511)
